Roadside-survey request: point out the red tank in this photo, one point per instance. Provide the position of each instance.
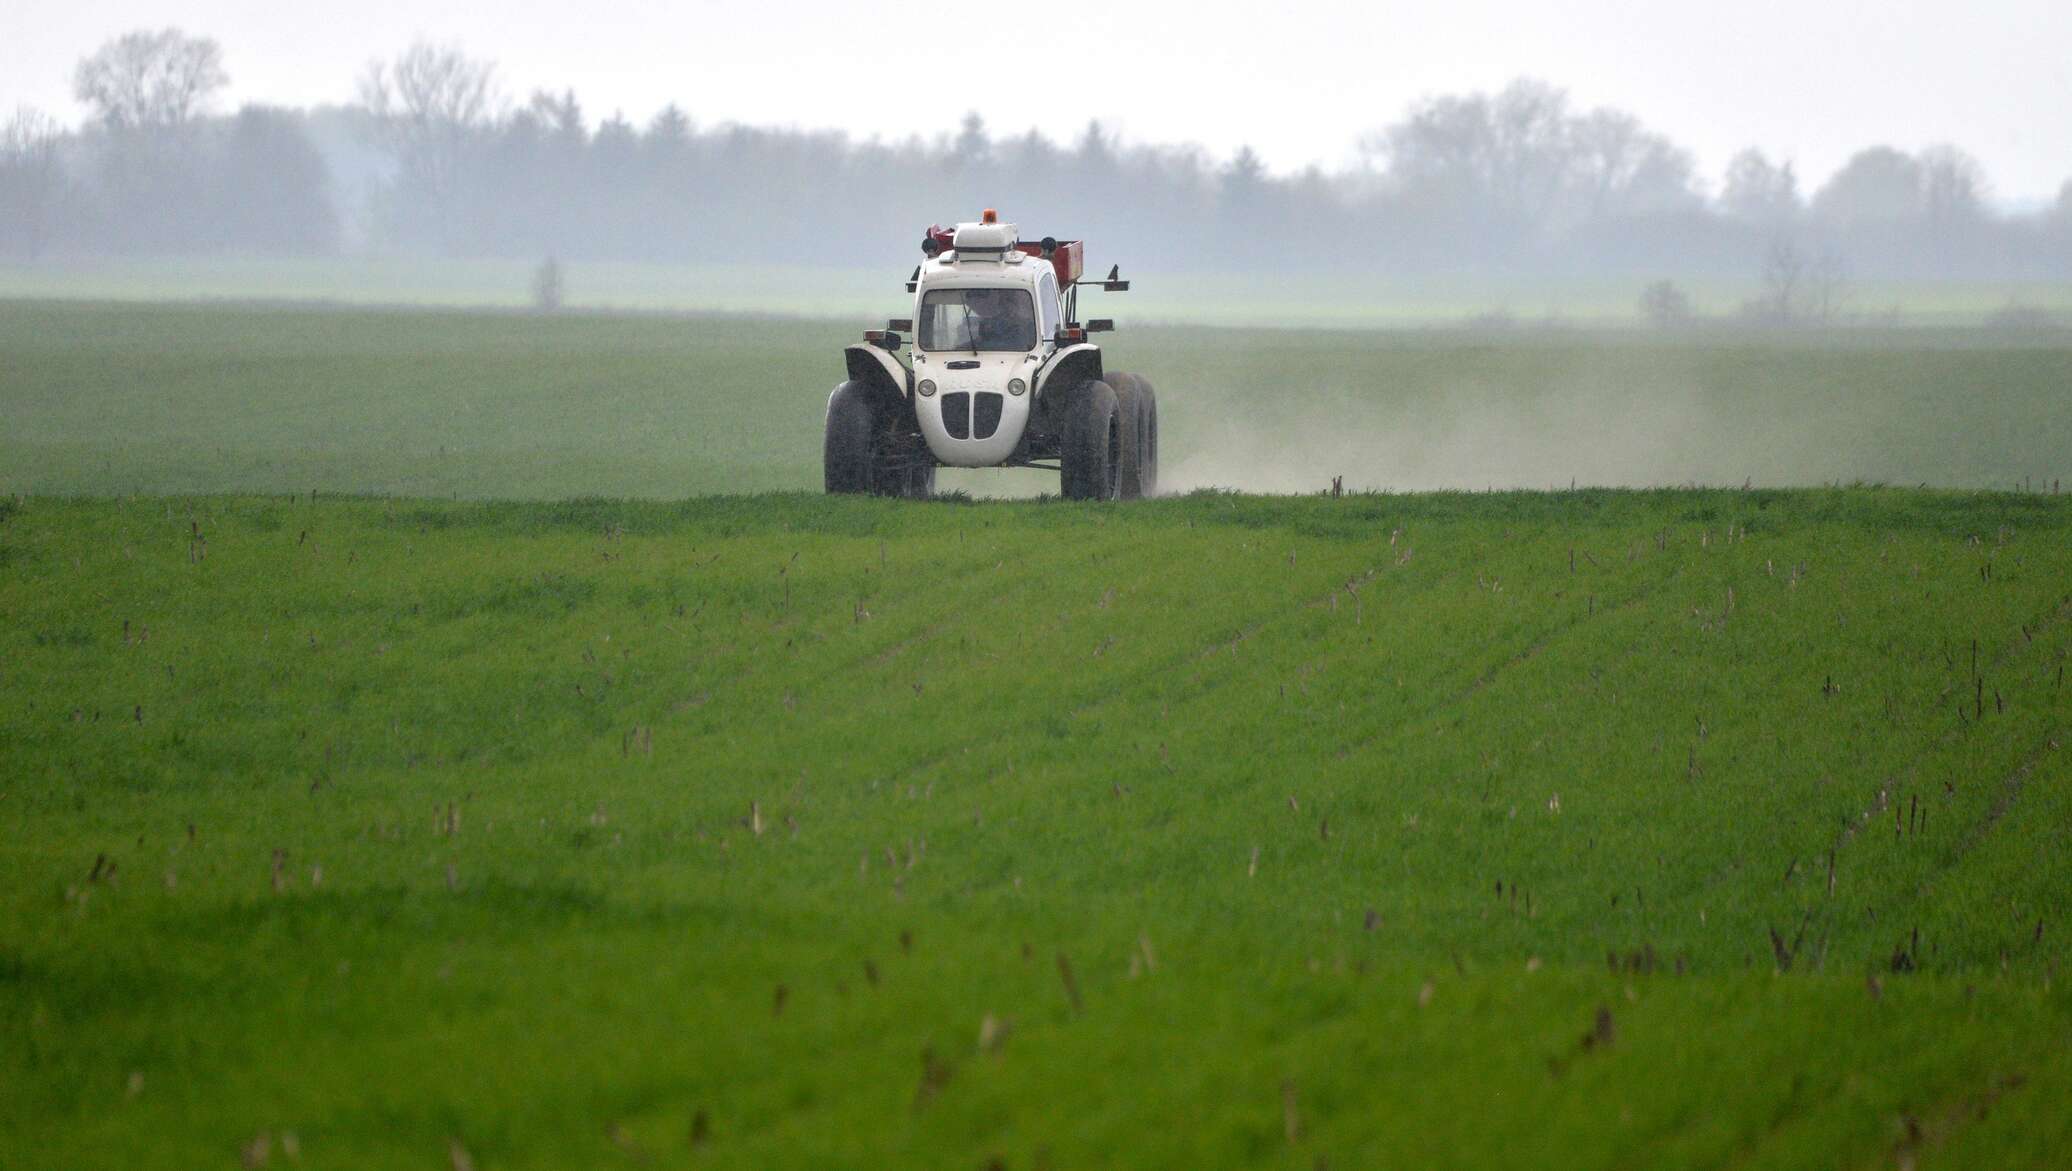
(1069, 260)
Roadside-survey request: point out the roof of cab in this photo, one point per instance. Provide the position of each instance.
(1011, 269)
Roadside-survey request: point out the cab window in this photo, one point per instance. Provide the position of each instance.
(977, 319)
(1047, 319)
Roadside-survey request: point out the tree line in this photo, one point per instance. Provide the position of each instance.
(432, 159)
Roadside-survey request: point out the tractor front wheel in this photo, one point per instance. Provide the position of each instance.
(862, 454)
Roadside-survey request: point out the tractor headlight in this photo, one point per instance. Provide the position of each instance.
(926, 388)
(1016, 386)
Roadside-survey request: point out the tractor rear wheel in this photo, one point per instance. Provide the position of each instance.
(1091, 446)
(1147, 441)
(1137, 407)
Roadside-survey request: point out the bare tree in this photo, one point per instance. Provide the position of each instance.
(1784, 272)
(1797, 288)
(148, 79)
(1827, 285)
(429, 89)
(1759, 191)
(1520, 162)
(1533, 147)
(31, 182)
(1953, 186)
(1623, 169)
(427, 105)
(1507, 156)
(31, 136)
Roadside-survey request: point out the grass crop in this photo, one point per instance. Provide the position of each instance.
(182, 399)
(1605, 828)
(1579, 828)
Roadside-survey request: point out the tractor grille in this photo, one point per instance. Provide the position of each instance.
(956, 415)
(986, 415)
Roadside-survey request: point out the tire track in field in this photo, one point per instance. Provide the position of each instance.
(1481, 681)
(1078, 695)
(1952, 1113)
(959, 604)
(1936, 742)
(1089, 697)
(2011, 787)
(1282, 613)
(1929, 1130)
(1489, 675)
(1930, 745)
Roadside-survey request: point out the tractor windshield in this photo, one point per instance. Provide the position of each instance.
(978, 319)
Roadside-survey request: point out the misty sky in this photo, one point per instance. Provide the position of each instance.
(1300, 82)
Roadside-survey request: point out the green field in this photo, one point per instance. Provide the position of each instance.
(529, 829)
(1369, 830)
(156, 399)
(868, 290)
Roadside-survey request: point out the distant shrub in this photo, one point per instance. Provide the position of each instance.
(547, 286)
(1665, 306)
(1798, 289)
(1493, 321)
(2022, 318)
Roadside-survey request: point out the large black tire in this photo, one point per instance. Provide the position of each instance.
(1129, 422)
(861, 453)
(846, 450)
(919, 481)
(1137, 404)
(1091, 446)
(1147, 462)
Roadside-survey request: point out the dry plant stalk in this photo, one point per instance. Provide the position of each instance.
(1071, 982)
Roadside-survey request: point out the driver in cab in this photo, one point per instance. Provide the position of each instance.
(1000, 319)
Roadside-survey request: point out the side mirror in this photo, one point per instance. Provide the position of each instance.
(1100, 325)
(902, 324)
(883, 339)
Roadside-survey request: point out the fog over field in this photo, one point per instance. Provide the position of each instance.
(430, 150)
(116, 399)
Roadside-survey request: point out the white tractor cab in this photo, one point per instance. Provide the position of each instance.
(1002, 377)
